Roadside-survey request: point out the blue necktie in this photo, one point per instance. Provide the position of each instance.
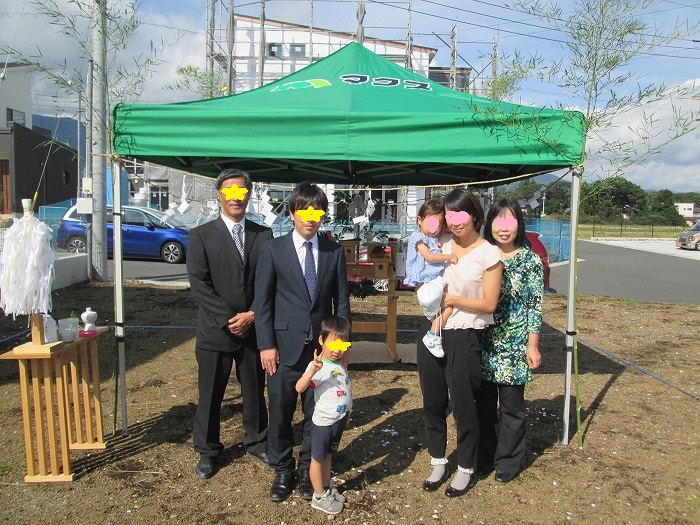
(237, 238)
(310, 269)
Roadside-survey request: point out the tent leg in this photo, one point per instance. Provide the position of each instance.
(577, 175)
(567, 397)
(119, 290)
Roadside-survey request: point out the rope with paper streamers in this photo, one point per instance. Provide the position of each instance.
(26, 266)
(266, 209)
(365, 188)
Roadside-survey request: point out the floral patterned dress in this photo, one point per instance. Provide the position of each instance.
(519, 313)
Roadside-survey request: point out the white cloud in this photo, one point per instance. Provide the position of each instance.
(674, 168)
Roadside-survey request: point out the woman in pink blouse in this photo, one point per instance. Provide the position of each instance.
(473, 287)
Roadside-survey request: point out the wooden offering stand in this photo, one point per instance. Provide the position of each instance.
(60, 396)
(376, 268)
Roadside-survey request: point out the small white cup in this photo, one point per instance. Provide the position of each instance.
(67, 335)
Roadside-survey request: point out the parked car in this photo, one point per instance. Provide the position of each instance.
(689, 239)
(540, 249)
(145, 234)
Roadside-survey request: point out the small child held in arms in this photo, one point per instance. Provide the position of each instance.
(333, 397)
(424, 266)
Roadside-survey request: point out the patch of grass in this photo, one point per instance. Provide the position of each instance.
(629, 231)
(5, 469)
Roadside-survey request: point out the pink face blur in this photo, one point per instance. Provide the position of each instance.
(504, 228)
(460, 222)
(431, 225)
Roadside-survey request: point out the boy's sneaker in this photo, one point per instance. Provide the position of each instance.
(326, 503)
(337, 495)
(433, 343)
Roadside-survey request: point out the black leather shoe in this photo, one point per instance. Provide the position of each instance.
(504, 477)
(306, 489)
(282, 486)
(432, 486)
(452, 492)
(205, 467)
(260, 457)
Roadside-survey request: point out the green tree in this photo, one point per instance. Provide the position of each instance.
(124, 83)
(689, 196)
(196, 80)
(612, 198)
(558, 197)
(511, 71)
(662, 203)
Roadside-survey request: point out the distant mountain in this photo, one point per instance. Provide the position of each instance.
(62, 129)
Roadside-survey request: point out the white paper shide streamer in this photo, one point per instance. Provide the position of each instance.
(26, 266)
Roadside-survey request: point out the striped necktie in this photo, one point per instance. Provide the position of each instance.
(237, 229)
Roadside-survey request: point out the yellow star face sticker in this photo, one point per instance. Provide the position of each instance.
(338, 345)
(234, 192)
(310, 214)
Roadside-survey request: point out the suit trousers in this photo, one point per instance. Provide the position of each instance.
(213, 376)
(454, 379)
(282, 396)
(502, 441)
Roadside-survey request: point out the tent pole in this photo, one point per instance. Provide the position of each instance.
(571, 337)
(119, 289)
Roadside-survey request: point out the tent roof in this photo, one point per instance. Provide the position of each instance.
(353, 117)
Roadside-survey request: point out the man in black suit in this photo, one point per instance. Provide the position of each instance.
(301, 279)
(222, 256)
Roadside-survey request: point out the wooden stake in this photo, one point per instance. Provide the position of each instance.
(37, 325)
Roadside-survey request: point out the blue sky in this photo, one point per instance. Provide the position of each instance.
(479, 23)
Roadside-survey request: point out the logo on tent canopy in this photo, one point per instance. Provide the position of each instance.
(355, 79)
(302, 84)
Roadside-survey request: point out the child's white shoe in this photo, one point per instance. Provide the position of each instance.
(433, 342)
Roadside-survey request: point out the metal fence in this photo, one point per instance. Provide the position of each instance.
(556, 236)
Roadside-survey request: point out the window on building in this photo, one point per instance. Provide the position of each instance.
(297, 50)
(15, 116)
(274, 50)
(386, 205)
(160, 197)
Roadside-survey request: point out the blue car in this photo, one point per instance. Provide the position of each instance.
(146, 233)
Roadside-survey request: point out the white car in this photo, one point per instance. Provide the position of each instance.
(689, 239)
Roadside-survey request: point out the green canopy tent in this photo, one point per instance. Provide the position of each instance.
(356, 118)
(352, 117)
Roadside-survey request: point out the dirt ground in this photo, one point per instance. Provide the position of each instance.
(639, 463)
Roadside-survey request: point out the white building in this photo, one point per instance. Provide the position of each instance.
(16, 96)
(286, 48)
(687, 210)
(290, 47)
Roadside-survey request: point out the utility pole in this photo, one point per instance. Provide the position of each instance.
(494, 66)
(453, 60)
(210, 46)
(409, 39)
(98, 239)
(262, 43)
(230, 41)
(360, 13)
(311, 31)
(544, 198)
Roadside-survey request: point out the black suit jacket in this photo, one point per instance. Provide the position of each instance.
(283, 309)
(222, 284)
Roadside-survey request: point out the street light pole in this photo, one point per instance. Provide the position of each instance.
(544, 198)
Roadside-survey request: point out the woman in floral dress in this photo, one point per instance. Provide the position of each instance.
(511, 351)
